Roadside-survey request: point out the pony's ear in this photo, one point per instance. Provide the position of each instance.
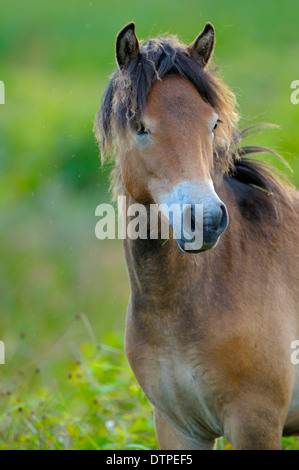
(203, 46)
(127, 45)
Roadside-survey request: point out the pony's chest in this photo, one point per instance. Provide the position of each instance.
(177, 386)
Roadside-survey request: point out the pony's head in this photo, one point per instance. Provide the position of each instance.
(170, 123)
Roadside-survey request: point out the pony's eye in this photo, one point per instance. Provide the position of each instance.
(140, 129)
(217, 122)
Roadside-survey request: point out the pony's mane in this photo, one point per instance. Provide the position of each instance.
(124, 101)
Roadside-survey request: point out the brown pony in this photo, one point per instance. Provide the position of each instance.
(208, 332)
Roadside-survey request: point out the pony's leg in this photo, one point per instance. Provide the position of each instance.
(255, 431)
(168, 439)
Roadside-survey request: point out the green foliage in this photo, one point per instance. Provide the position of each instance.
(97, 405)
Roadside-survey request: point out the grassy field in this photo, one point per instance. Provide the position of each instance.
(63, 294)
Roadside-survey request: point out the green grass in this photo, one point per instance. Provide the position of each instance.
(63, 292)
(96, 405)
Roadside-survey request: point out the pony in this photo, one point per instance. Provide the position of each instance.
(208, 331)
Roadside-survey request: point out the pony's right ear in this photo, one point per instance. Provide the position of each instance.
(127, 45)
(203, 46)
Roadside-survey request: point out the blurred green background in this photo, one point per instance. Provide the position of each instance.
(63, 293)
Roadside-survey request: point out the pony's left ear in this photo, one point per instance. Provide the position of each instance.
(203, 46)
(127, 45)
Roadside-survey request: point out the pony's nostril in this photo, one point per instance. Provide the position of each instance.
(223, 220)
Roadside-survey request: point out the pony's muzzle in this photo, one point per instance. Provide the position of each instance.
(203, 217)
(216, 220)
(200, 230)
(214, 223)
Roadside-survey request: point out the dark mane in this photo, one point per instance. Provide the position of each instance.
(125, 98)
(259, 174)
(269, 188)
